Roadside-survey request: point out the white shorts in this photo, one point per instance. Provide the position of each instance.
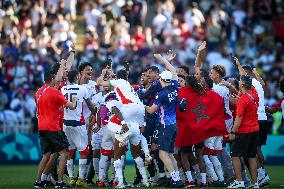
(214, 143)
(135, 136)
(133, 113)
(77, 137)
(108, 139)
(97, 139)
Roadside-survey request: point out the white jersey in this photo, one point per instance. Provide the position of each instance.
(261, 109)
(224, 92)
(78, 91)
(91, 91)
(98, 99)
(125, 92)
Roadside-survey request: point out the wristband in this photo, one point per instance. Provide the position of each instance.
(123, 122)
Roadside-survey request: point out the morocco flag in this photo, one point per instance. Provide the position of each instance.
(204, 117)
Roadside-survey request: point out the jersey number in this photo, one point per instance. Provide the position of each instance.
(69, 97)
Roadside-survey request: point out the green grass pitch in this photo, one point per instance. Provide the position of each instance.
(23, 176)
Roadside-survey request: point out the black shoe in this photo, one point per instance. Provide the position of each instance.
(39, 184)
(137, 181)
(176, 184)
(49, 184)
(223, 184)
(163, 181)
(91, 183)
(61, 185)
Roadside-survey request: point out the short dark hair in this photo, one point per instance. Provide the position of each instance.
(281, 84)
(122, 74)
(220, 69)
(185, 68)
(84, 65)
(154, 69)
(248, 69)
(247, 81)
(72, 75)
(48, 76)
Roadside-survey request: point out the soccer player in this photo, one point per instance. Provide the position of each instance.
(166, 101)
(133, 113)
(49, 102)
(75, 128)
(86, 71)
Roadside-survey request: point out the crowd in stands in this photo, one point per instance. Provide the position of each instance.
(37, 33)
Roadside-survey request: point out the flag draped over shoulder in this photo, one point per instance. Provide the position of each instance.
(204, 117)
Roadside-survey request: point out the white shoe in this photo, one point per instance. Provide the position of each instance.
(264, 181)
(237, 184)
(120, 186)
(146, 185)
(255, 185)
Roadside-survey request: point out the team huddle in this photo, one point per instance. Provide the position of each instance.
(176, 125)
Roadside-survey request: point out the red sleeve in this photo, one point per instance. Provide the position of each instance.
(240, 107)
(278, 104)
(59, 98)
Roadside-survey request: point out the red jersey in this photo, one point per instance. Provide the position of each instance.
(246, 107)
(49, 103)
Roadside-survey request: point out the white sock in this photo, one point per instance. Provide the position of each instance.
(70, 168)
(108, 164)
(96, 164)
(168, 175)
(227, 163)
(218, 167)
(113, 177)
(203, 178)
(162, 175)
(123, 165)
(177, 175)
(118, 171)
(43, 177)
(102, 167)
(140, 165)
(82, 168)
(174, 176)
(210, 168)
(261, 172)
(144, 146)
(189, 176)
(48, 178)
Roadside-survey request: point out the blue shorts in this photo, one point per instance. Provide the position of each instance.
(150, 132)
(167, 138)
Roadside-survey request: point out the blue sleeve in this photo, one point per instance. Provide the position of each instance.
(175, 84)
(159, 99)
(153, 89)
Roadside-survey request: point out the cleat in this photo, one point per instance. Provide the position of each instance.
(114, 184)
(81, 183)
(177, 184)
(137, 181)
(253, 186)
(223, 184)
(101, 184)
(237, 184)
(72, 182)
(120, 186)
(49, 184)
(39, 184)
(262, 182)
(61, 185)
(163, 181)
(189, 184)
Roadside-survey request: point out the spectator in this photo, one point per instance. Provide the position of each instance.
(3, 100)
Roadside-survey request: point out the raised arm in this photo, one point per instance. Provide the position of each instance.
(257, 77)
(101, 81)
(59, 74)
(167, 64)
(70, 60)
(238, 65)
(197, 65)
